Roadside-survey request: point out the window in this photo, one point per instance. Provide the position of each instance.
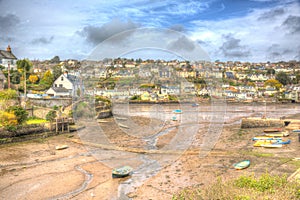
(60, 85)
(55, 85)
(62, 78)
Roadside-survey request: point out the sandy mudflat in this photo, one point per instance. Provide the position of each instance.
(35, 170)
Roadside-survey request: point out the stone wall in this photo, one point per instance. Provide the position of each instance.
(259, 122)
(50, 102)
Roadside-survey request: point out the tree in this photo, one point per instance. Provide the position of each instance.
(24, 64)
(15, 77)
(271, 71)
(51, 115)
(33, 78)
(56, 71)
(273, 83)
(20, 113)
(47, 79)
(283, 78)
(55, 59)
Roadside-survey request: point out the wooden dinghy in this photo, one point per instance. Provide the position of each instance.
(271, 130)
(61, 147)
(242, 165)
(279, 134)
(121, 172)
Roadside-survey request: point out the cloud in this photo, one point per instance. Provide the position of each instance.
(42, 40)
(277, 52)
(272, 14)
(96, 35)
(292, 23)
(177, 27)
(8, 22)
(182, 43)
(232, 47)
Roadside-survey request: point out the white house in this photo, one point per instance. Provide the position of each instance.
(8, 59)
(57, 91)
(68, 82)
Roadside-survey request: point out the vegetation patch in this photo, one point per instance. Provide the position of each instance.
(245, 187)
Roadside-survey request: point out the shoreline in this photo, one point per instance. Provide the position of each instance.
(35, 166)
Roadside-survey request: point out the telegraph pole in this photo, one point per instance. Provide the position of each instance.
(8, 74)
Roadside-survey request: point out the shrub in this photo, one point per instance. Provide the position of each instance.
(51, 115)
(8, 94)
(20, 113)
(8, 119)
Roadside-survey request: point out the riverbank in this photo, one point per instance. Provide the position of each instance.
(35, 170)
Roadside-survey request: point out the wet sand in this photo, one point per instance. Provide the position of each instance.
(35, 170)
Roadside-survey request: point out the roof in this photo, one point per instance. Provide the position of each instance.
(72, 78)
(7, 55)
(60, 89)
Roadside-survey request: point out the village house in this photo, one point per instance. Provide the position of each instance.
(63, 83)
(8, 59)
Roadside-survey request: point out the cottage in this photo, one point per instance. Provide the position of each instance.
(8, 59)
(68, 82)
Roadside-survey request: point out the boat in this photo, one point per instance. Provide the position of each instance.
(281, 134)
(270, 130)
(275, 145)
(195, 104)
(284, 142)
(242, 165)
(121, 172)
(177, 111)
(61, 147)
(296, 131)
(174, 118)
(261, 143)
(265, 138)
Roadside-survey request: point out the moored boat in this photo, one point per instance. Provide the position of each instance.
(121, 172)
(61, 147)
(242, 165)
(265, 138)
(270, 130)
(277, 134)
(272, 145)
(296, 131)
(177, 111)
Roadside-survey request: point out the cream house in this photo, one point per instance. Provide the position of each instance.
(68, 82)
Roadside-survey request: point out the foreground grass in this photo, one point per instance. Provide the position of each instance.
(265, 187)
(36, 121)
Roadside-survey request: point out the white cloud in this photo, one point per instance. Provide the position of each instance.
(256, 34)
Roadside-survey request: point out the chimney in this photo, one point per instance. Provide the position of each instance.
(66, 73)
(8, 49)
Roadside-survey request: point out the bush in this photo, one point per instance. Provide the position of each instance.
(20, 113)
(245, 188)
(8, 120)
(51, 115)
(8, 94)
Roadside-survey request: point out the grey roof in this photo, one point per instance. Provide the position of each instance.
(60, 89)
(7, 55)
(72, 78)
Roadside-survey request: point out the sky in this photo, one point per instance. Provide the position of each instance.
(228, 30)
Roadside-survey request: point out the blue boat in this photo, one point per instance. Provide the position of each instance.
(283, 142)
(174, 118)
(177, 111)
(296, 131)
